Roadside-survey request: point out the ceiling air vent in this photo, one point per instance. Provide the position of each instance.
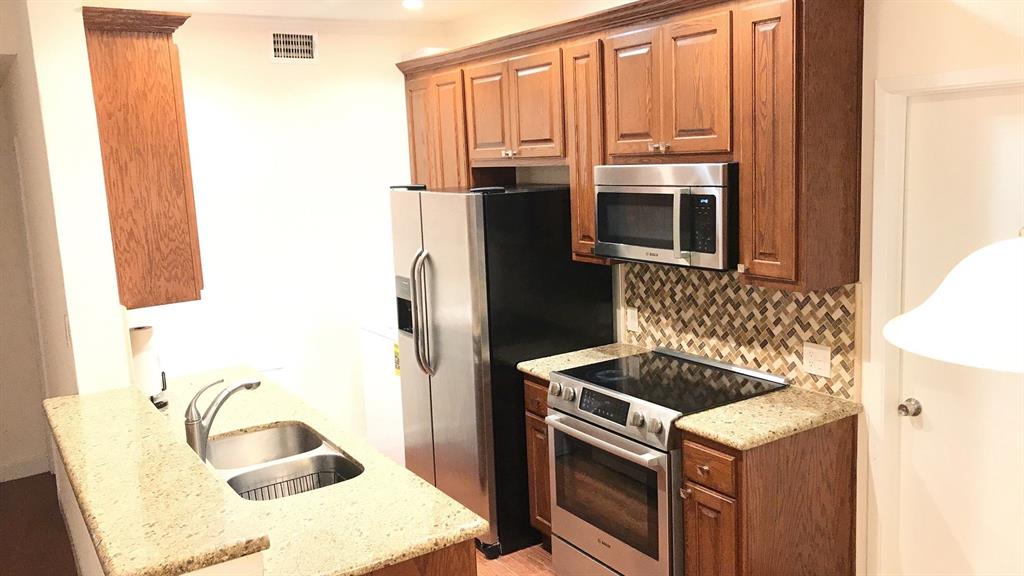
(294, 46)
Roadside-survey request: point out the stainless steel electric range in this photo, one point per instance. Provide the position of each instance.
(616, 460)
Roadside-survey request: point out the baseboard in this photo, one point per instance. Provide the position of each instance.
(15, 470)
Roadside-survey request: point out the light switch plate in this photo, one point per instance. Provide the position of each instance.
(632, 320)
(817, 359)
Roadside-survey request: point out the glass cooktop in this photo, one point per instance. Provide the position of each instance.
(676, 383)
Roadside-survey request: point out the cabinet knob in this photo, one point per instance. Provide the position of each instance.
(685, 493)
(703, 469)
(741, 268)
(513, 153)
(652, 147)
(910, 407)
(663, 148)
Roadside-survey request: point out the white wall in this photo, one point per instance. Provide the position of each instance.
(291, 163)
(22, 424)
(904, 39)
(503, 17)
(81, 327)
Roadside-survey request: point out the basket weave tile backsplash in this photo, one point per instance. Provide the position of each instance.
(714, 315)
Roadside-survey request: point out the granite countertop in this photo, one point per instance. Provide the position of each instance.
(741, 425)
(153, 508)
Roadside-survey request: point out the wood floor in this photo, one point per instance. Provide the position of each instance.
(533, 561)
(33, 539)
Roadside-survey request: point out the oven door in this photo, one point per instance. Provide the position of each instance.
(609, 496)
(640, 223)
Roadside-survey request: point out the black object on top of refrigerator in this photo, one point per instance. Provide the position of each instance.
(485, 280)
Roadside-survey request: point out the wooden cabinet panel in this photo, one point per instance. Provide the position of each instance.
(144, 145)
(697, 84)
(584, 137)
(486, 117)
(535, 104)
(765, 81)
(448, 129)
(536, 396)
(711, 544)
(633, 92)
(709, 467)
(538, 473)
(417, 109)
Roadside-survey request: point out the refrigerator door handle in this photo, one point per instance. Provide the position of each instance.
(419, 334)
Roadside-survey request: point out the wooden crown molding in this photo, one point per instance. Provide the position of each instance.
(119, 20)
(625, 15)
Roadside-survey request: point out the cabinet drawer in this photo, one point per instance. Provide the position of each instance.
(710, 468)
(536, 397)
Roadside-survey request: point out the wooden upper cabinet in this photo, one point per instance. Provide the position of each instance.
(487, 111)
(144, 144)
(448, 131)
(633, 92)
(697, 84)
(514, 108)
(584, 137)
(535, 104)
(417, 111)
(765, 70)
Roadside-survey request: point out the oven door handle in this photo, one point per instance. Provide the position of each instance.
(653, 460)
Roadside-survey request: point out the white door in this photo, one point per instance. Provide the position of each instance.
(961, 462)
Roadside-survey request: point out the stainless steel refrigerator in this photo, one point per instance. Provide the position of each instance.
(484, 280)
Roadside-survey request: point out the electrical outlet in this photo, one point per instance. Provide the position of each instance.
(817, 359)
(632, 320)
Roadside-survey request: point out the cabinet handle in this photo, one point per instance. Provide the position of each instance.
(703, 469)
(652, 147)
(685, 493)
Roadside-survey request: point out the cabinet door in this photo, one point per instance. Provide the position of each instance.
(535, 104)
(139, 113)
(767, 153)
(696, 95)
(417, 110)
(633, 92)
(537, 472)
(584, 138)
(448, 121)
(487, 111)
(709, 533)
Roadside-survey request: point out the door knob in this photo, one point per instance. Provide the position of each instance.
(910, 407)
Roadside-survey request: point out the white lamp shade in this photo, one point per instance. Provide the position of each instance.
(975, 317)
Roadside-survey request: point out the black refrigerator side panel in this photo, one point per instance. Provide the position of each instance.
(540, 303)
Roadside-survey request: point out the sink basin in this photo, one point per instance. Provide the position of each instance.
(279, 461)
(259, 446)
(294, 476)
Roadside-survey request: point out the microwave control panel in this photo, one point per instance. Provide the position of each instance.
(704, 223)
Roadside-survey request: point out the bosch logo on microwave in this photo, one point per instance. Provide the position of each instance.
(653, 254)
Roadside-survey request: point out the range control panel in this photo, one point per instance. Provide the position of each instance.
(606, 407)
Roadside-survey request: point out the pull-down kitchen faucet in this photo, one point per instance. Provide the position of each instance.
(197, 428)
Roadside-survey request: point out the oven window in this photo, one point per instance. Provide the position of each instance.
(607, 492)
(635, 219)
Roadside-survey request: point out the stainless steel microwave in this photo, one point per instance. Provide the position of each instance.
(682, 214)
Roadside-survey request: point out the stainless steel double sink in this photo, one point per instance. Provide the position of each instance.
(278, 461)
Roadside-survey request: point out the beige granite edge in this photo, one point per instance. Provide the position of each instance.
(751, 423)
(194, 561)
(428, 545)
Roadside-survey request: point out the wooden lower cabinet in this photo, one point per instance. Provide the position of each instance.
(710, 520)
(537, 467)
(537, 471)
(793, 513)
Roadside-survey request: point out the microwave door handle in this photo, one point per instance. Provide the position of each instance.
(677, 206)
(652, 460)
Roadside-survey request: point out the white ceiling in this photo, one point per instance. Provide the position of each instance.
(432, 11)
